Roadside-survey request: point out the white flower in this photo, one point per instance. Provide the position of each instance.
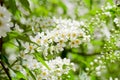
(30, 62)
(91, 63)
(110, 78)
(34, 64)
(106, 32)
(86, 38)
(29, 47)
(98, 73)
(5, 14)
(44, 74)
(59, 48)
(84, 76)
(58, 67)
(74, 43)
(63, 33)
(117, 22)
(109, 6)
(5, 23)
(4, 27)
(107, 14)
(87, 69)
(116, 79)
(12, 58)
(98, 68)
(18, 29)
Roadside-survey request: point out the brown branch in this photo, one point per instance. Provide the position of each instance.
(1, 2)
(0, 44)
(1, 62)
(6, 70)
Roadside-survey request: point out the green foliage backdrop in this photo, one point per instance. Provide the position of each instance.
(59, 39)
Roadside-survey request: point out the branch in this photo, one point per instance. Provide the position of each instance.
(1, 62)
(1, 44)
(6, 70)
(83, 54)
(93, 54)
(1, 2)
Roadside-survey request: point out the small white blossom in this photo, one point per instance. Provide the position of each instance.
(5, 23)
(116, 20)
(65, 33)
(98, 73)
(58, 67)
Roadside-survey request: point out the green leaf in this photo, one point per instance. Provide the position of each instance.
(16, 35)
(110, 1)
(63, 6)
(12, 6)
(12, 35)
(4, 58)
(25, 4)
(88, 3)
(93, 77)
(20, 76)
(24, 38)
(79, 58)
(40, 11)
(41, 60)
(29, 72)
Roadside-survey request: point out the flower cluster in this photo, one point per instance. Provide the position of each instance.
(5, 23)
(117, 21)
(110, 53)
(56, 35)
(57, 67)
(99, 65)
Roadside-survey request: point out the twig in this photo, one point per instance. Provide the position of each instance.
(6, 70)
(93, 54)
